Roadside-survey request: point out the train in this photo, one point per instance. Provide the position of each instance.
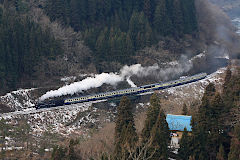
(120, 93)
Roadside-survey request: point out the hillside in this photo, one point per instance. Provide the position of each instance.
(115, 34)
(83, 120)
(57, 49)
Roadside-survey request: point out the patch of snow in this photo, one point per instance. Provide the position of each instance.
(48, 149)
(236, 22)
(199, 56)
(18, 100)
(195, 90)
(67, 79)
(113, 104)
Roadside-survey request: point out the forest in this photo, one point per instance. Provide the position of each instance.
(116, 29)
(113, 29)
(22, 45)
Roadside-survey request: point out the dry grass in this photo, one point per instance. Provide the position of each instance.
(100, 142)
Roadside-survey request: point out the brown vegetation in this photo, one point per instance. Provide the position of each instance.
(99, 143)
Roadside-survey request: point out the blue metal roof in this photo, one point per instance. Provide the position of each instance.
(179, 122)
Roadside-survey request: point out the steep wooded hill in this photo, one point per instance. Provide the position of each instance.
(116, 29)
(22, 45)
(53, 39)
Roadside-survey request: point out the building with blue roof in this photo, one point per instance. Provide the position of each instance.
(179, 122)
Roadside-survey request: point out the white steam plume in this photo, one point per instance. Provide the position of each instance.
(125, 73)
(130, 82)
(87, 83)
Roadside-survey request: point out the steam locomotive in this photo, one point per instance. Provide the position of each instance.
(120, 93)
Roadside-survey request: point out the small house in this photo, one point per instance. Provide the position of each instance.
(176, 124)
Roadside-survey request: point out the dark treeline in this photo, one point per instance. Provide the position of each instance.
(115, 29)
(215, 127)
(22, 45)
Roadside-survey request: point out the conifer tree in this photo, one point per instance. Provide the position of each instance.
(184, 150)
(160, 138)
(152, 115)
(147, 8)
(159, 17)
(227, 76)
(59, 153)
(201, 127)
(228, 90)
(71, 152)
(177, 18)
(209, 131)
(184, 110)
(217, 133)
(125, 132)
(235, 144)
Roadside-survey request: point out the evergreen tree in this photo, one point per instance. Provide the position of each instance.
(185, 109)
(189, 16)
(235, 144)
(228, 94)
(125, 132)
(209, 131)
(59, 153)
(184, 151)
(201, 127)
(177, 18)
(147, 8)
(160, 139)
(71, 154)
(159, 16)
(152, 115)
(227, 77)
